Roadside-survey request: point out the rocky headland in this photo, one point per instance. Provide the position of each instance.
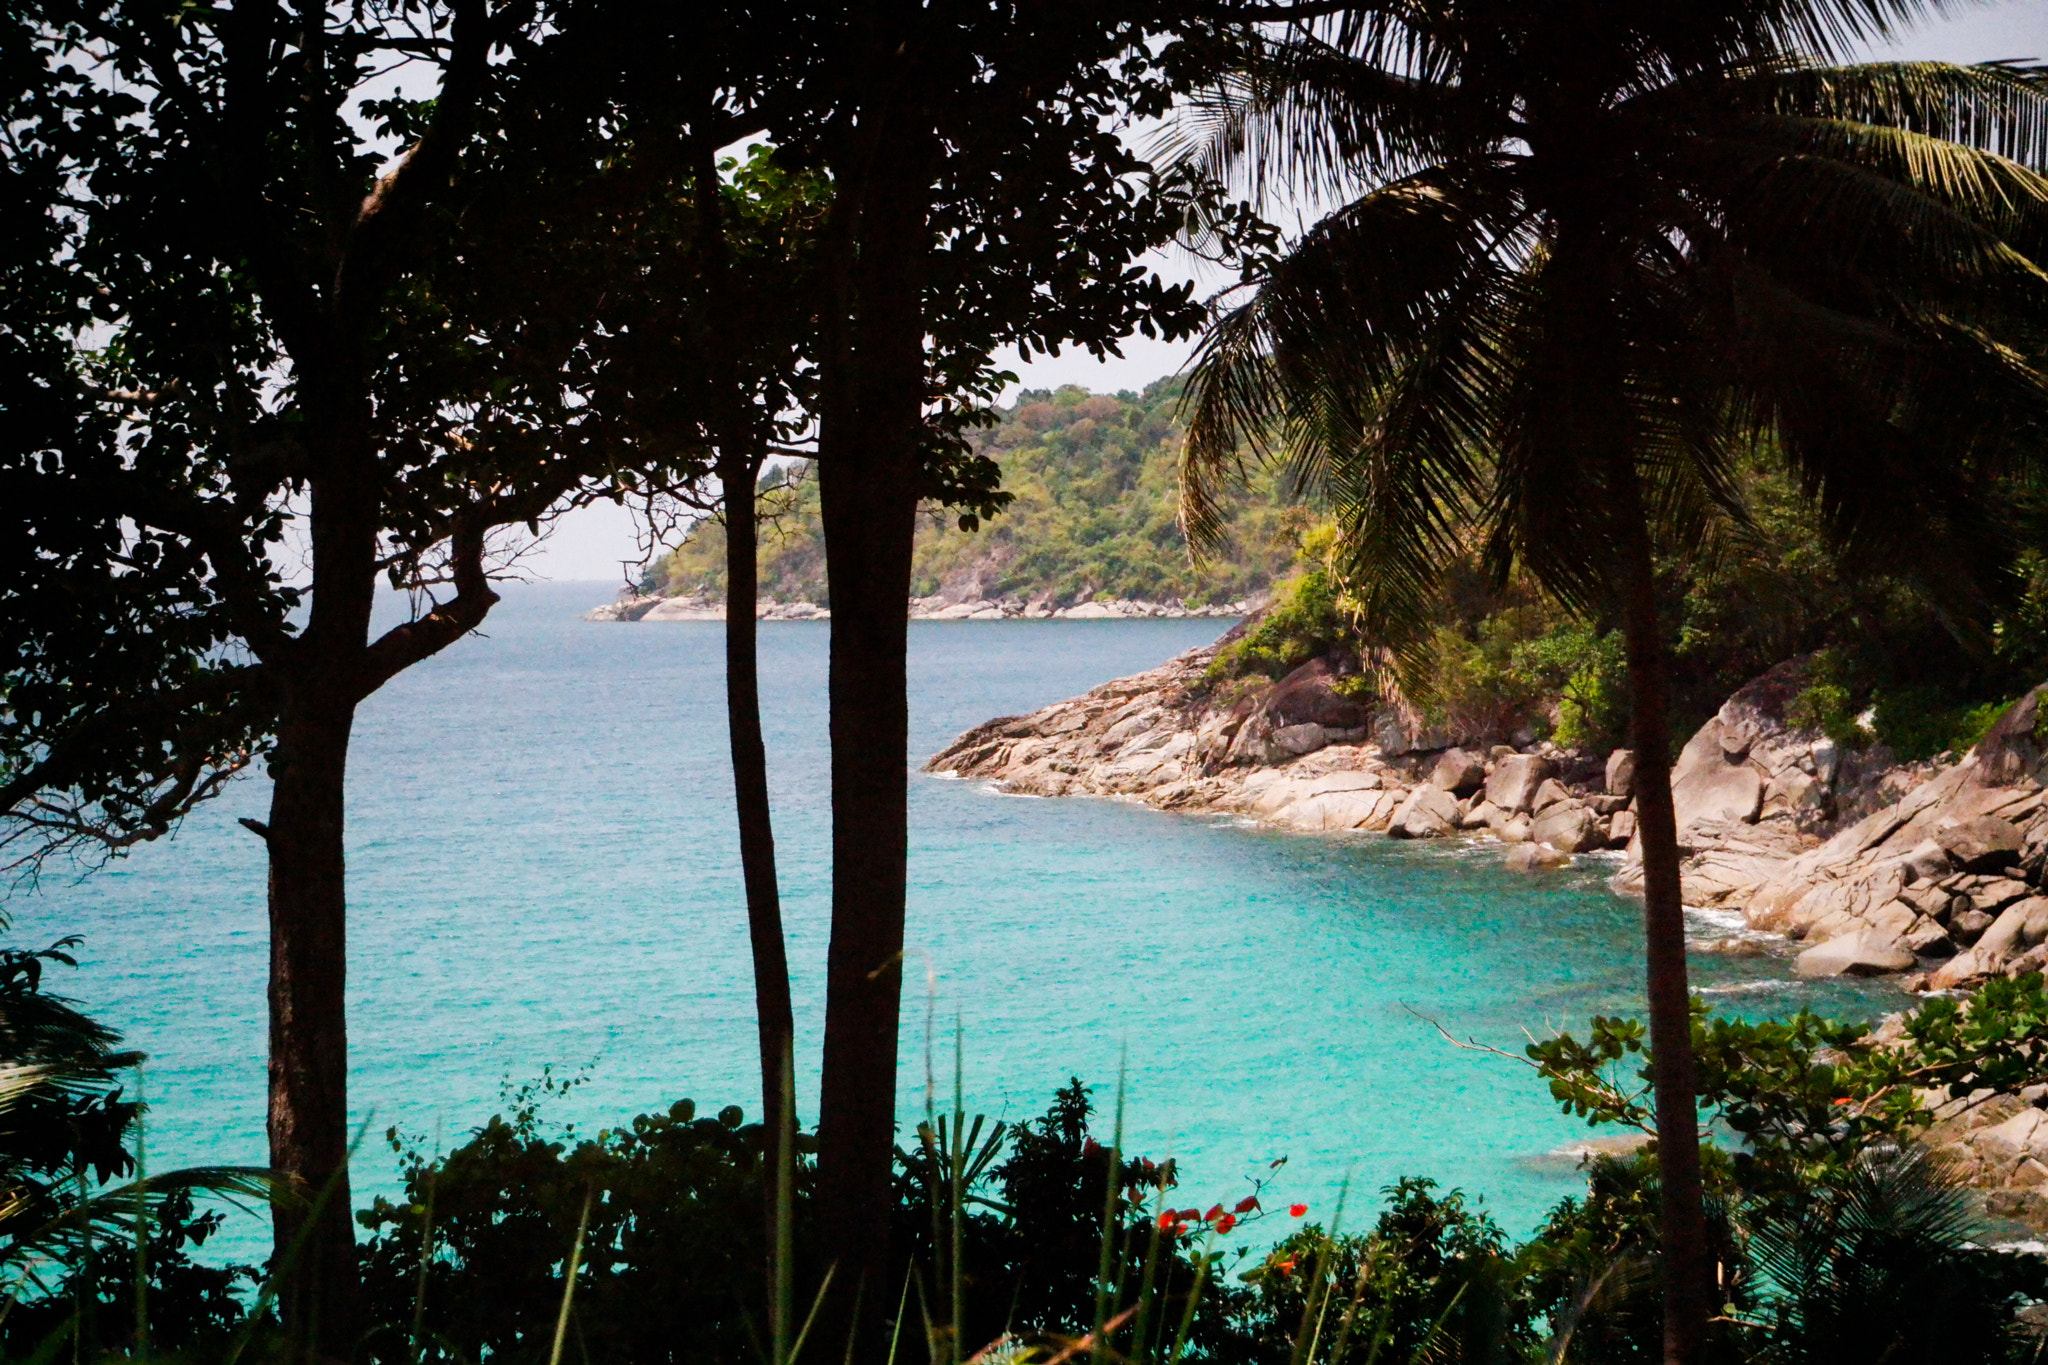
(1930, 871)
(1840, 859)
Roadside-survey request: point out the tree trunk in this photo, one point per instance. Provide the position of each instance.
(869, 464)
(739, 465)
(873, 517)
(315, 1241)
(1688, 1268)
(775, 1021)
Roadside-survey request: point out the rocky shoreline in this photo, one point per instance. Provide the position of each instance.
(1935, 874)
(1930, 871)
(694, 607)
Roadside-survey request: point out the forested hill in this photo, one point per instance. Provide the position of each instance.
(1093, 518)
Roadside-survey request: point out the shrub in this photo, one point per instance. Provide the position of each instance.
(673, 1255)
(1304, 621)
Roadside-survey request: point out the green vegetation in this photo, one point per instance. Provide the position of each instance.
(1884, 662)
(96, 1254)
(1092, 515)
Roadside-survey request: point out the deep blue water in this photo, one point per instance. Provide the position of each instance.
(543, 871)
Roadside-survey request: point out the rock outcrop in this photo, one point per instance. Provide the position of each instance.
(1877, 867)
(1303, 753)
(1933, 872)
(1883, 867)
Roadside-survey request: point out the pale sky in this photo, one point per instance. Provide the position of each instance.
(589, 543)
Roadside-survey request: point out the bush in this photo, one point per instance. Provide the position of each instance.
(673, 1255)
(1305, 620)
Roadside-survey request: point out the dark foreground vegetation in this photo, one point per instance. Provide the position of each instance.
(1835, 1236)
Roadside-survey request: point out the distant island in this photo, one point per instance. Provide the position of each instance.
(1091, 532)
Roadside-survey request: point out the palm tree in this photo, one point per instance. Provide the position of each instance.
(1587, 256)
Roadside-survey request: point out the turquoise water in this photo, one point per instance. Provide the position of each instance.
(543, 870)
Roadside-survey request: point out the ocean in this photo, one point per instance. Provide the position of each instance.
(543, 873)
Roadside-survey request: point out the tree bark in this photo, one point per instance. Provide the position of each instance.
(775, 1020)
(308, 1119)
(869, 468)
(870, 855)
(741, 448)
(1688, 1268)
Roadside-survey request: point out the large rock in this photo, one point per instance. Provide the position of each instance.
(2010, 1145)
(2018, 927)
(1927, 860)
(1928, 939)
(1295, 740)
(1428, 813)
(1479, 815)
(1515, 780)
(1865, 952)
(2023, 926)
(1711, 790)
(1983, 844)
(1536, 857)
(1337, 801)
(1621, 773)
(1458, 771)
(1568, 826)
(1309, 694)
(2009, 753)
(1404, 730)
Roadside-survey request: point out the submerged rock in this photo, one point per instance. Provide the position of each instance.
(1534, 857)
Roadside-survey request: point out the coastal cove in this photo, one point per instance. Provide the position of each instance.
(543, 871)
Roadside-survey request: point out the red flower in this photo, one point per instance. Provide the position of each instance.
(1213, 1214)
(1225, 1224)
(1247, 1204)
(1167, 1220)
(1844, 1100)
(1297, 1210)
(1090, 1147)
(1190, 1215)
(1284, 1267)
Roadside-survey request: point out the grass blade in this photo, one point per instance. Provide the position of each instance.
(569, 1279)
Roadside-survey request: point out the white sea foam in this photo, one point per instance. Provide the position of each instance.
(1764, 987)
(1719, 918)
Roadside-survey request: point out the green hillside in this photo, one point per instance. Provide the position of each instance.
(1093, 476)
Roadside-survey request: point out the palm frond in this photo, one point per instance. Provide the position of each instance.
(1300, 117)
(1294, 373)
(111, 1212)
(1995, 107)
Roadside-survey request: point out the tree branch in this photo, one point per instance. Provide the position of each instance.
(390, 214)
(403, 646)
